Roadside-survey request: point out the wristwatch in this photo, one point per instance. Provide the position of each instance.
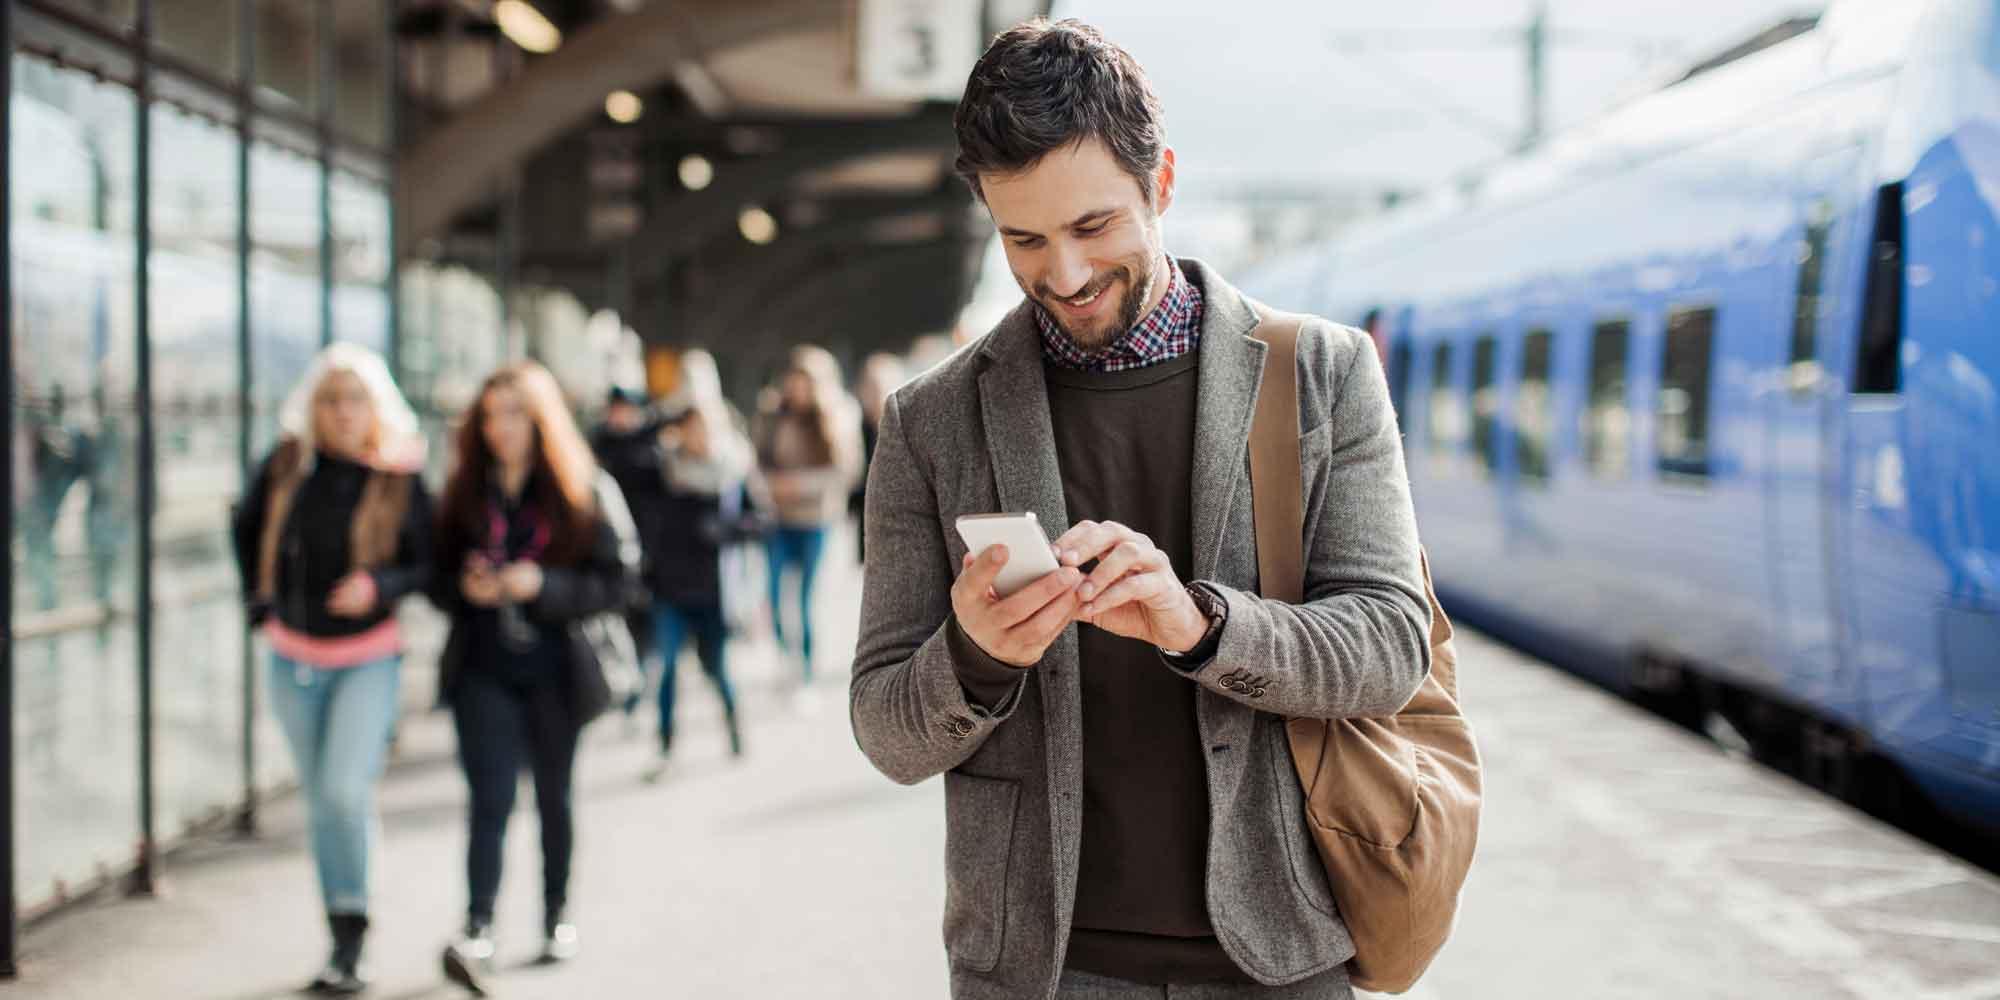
(1216, 610)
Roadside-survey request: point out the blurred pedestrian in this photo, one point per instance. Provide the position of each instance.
(708, 509)
(1123, 817)
(881, 374)
(536, 559)
(334, 531)
(627, 447)
(809, 450)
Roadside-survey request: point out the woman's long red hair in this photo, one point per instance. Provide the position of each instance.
(565, 471)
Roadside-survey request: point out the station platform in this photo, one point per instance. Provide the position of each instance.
(1621, 857)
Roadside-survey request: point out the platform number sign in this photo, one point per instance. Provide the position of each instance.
(916, 49)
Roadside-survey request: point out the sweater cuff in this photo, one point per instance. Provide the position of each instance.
(989, 684)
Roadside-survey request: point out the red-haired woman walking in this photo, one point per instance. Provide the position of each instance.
(536, 558)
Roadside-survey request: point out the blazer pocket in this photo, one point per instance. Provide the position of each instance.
(1307, 869)
(978, 839)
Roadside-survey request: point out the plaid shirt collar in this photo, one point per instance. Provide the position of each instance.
(1171, 330)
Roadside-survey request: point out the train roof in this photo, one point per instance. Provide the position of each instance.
(1776, 65)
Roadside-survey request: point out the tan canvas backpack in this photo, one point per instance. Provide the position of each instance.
(1393, 803)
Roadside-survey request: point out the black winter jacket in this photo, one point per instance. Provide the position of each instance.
(315, 549)
(582, 598)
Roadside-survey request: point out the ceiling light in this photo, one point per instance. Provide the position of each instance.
(624, 106)
(757, 225)
(696, 172)
(525, 26)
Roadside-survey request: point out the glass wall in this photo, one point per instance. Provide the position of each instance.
(202, 32)
(451, 320)
(361, 73)
(288, 54)
(75, 149)
(198, 632)
(360, 261)
(73, 330)
(285, 293)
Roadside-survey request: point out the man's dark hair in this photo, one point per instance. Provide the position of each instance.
(1042, 86)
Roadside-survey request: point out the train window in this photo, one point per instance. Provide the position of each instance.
(1878, 370)
(1485, 399)
(1444, 404)
(1607, 420)
(1804, 370)
(1532, 409)
(1399, 376)
(1684, 385)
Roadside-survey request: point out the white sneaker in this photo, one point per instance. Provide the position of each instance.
(560, 945)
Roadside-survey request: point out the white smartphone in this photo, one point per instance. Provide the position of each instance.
(1028, 555)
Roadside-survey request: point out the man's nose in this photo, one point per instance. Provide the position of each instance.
(1069, 271)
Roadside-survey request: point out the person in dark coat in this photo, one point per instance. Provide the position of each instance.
(627, 447)
(537, 557)
(707, 472)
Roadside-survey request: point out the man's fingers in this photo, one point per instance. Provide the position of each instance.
(1136, 587)
(980, 573)
(1071, 545)
(1022, 604)
(1042, 627)
(1092, 539)
(1126, 557)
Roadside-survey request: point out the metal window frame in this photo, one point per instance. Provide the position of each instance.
(9, 968)
(136, 44)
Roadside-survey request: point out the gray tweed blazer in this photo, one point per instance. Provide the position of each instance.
(972, 436)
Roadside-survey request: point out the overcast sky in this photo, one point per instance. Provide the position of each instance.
(1406, 94)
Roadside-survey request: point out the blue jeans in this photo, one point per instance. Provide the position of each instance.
(799, 547)
(671, 624)
(338, 722)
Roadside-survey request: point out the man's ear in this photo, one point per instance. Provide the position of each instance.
(1163, 182)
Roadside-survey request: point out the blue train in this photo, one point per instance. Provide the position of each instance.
(1703, 399)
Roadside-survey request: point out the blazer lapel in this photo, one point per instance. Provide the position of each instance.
(1230, 372)
(1020, 440)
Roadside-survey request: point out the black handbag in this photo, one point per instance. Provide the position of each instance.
(604, 668)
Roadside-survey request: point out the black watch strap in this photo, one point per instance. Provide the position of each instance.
(1217, 611)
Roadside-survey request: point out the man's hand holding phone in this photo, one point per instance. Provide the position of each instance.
(1016, 629)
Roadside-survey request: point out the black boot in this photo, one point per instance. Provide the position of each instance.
(469, 957)
(342, 974)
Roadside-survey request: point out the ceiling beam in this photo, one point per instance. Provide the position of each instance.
(682, 222)
(759, 274)
(459, 163)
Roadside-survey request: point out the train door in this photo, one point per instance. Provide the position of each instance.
(1801, 486)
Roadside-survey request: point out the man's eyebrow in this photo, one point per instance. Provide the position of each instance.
(1081, 220)
(1091, 216)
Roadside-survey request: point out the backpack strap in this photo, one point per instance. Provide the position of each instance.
(1277, 480)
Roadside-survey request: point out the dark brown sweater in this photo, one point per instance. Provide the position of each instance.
(1125, 445)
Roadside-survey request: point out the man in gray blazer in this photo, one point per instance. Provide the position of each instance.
(1122, 814)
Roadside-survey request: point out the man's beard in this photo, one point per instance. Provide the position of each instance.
(1125, 318)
